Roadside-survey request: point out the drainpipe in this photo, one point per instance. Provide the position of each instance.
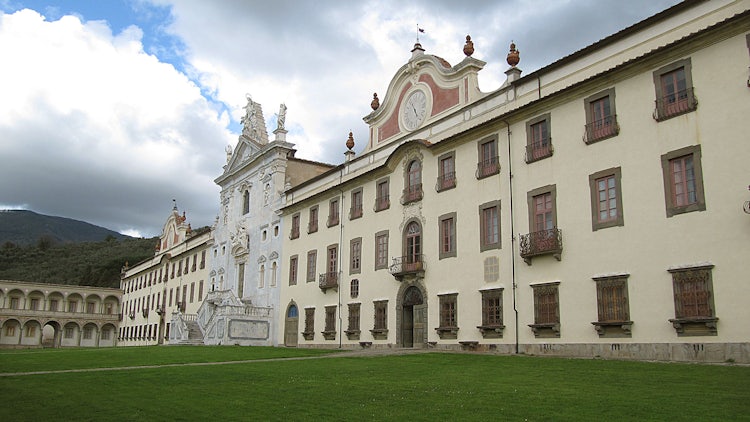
(341, 250)
(512, 235)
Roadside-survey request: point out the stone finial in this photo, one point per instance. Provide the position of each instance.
(350, 141)
(469, 46)
(514, 55)
(375, 102)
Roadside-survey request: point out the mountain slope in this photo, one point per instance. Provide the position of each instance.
(23, 227)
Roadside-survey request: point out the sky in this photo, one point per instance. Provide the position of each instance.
(110, 109)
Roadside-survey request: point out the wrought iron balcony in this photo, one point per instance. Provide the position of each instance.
(412, 194)
(407, 265)
(382, 203)
(328, 281)
(539, 150)
(674, 104)
(488, 167)
(544, 242)
(446, 181)
(601, 129)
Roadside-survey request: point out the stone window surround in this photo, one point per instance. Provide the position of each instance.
(447, 331)
(453, 252)
(352, 256)
(357, 213)
(614, 329)
(551, 189)
(491, 330)
(353, 328)
(546, 330)
(311, 269)
(687, 327)
(441, 185)
(700, 205)
(481, 159)
(610, 92)
(620, 220)
(657, 74)
(529, 137)
(387, 240)
(380, 332)
(314, 216)
(329, 333)
(333, 219)
(489, 246)
(382, 204)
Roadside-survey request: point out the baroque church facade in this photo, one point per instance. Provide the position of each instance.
(590, 208)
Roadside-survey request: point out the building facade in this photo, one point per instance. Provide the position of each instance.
(496, 221)
(242, 307)
(55, 315)
(162, 294)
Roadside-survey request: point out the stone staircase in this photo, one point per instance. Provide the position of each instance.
(195, 336)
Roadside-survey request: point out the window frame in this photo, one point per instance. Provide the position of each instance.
(448, 316)
(382, 196)
(311, 270)
(488, 165)
(380, 320)
(594, 178)
(546, 327)
(446, 180)
(309, 332)
(693, 325)
(293, 269)
(590, 135)
(381, 262)
(354, 319)
(312, 224)
(619, 324)
(666, 162)
(484, 245)
(329, 331)
(492, 327)
(692, 103)
(452, 249)
(413, 182)
(357, 200)
(294, 232)
(334, 212)
(534, 153)
(355, 255)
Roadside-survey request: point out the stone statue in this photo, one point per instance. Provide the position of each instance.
(248, 121)
(228, 150)
(282, 117)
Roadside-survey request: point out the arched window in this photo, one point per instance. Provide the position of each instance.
(292, 312)
(273, 274)
(262, 277)
(246, 202)
(413, 244)
(413, 190)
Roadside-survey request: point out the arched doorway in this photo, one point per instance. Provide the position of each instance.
(291, 325)
(413, 318)
(51, 334)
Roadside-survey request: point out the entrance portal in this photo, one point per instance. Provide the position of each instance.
(291, 326)
(413, 319)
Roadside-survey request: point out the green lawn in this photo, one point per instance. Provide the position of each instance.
(434, 386)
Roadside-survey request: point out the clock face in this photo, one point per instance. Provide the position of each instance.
(414, 110)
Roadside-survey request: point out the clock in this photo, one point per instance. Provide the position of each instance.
(414, 110)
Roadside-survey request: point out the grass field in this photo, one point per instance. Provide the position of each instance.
(431, 386)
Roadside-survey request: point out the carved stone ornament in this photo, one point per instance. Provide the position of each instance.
(274, 255)
(469, 46)
(375, 104)
(514, 55)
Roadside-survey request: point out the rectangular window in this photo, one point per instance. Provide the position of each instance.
(34, 305)
(170, 297)
(312, 226)
(539, 141)
(546, 310)
(14, 303)
(295, 227)
(446, 172)
(489, 163)
(354, 288)
(68, 332)
(606, 199)
(187, 265)
(333, 212)
(674, 90)
(309, 332)
(200, 290)
(693, 301)
(601, 120)
(612, 306)
(179, 269)
(381, 250)
(192, 292)
(330, 329)
(683, 180)
(332, 263)
(72, 306)
(489, 220)
(87, 333)
(447, 235)
(381, 315)
(10, 330)
(492, 308)
(382, 195)
(353, 323)
(356, 210)
(105, 334)
(30, 330)
(90, 307)
(355, 252)
(293, 263)
(312, 258)
(203, 260)
(448, 328)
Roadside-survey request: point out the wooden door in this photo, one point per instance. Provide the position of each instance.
(420, 326)
(291, 327)
(407, 326)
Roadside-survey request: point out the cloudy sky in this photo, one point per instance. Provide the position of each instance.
(110, 109)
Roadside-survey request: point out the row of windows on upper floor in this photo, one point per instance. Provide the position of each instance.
(674, 93)
(683, 191)
(155, 301)
(694, 309)
(58, 305)
(163, 274)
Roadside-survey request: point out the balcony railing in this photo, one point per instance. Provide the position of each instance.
(333, 220)
(446, 181)
(539, 150)
(382, 203)
(295, 233)
(671, 105)
(407, 265)
(601, 129)
(544, 242)
(328, 281)
(355, 212)
(488, 167)
(312, 227)
(412, 194)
